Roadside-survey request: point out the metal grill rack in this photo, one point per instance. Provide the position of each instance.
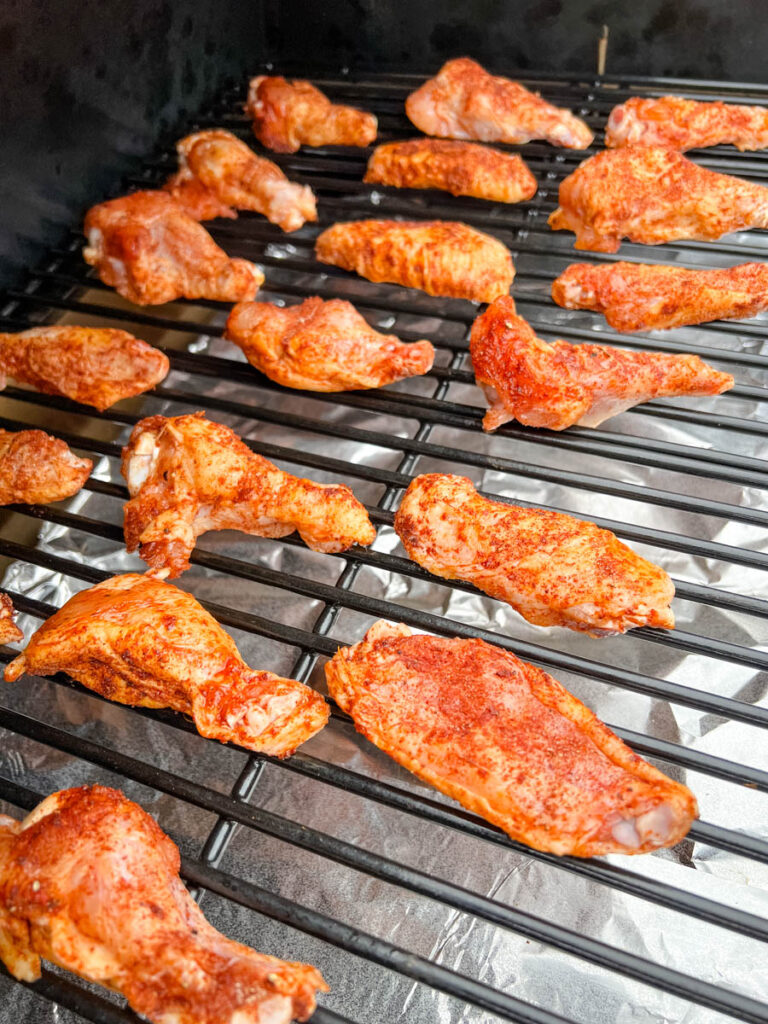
(683, 481)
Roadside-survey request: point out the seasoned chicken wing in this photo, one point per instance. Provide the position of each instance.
(323, 346)
(90, 882)
(686, 124)
(140, 641)
(9, 631)
(508, 742)
(93, 365)
(36, 468)
(556, 385)
(463, 101)
(461, 168)
(553, 569)
(218, 174)
(653, 194)
(645, 297)
(148, 247)
(287, 115)
(187, 475)
(441, 257)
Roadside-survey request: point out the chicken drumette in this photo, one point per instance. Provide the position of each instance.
(218, 174)
(140, 641)
(90, 882)
(187, 475)
(36, 468)
(148, 247)
(94, 365)
(9, 631)
(686, 124)
(323, 346)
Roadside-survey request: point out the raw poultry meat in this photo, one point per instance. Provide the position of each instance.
(9, 631)
(323, 346)
(218, 174)
(36, 468)
(464, 101)
(553, 569)
(645, 297)
(686, 124)
(653, 194)
(441, 257)
(187, 475)
(557, 385)
(508, 742)
(93, 365)
(90, 882)
(138, 640)
(147, 247)
(461, 168)
(287, 115)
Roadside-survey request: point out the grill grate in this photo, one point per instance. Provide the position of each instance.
(685, 482)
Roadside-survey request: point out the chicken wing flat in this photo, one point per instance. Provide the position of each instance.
(553, 569)
(461, 168)
(323, 346)
(558, 385)
(653, 194)
(9, 631)
(463, 101)
(287, 115)
(93, 365)
(508, 742)
(441, 257)
(217, 172)
(147, 247)
(140, 641)
(36, 468)
(686, 124)
(90, 882)
(187, 475)
(645, 297)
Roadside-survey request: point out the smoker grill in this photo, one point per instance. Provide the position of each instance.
(683, 481)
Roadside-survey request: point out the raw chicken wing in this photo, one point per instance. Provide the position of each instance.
(218, 174)
(653, 194)
(287, 115)
(556, 385)
(508, 742)
(686, 124)
(90, 882)
(553, 569)
(9, 631)
(36, 468)
(644, 297)
(463, 101)
(187, 475)
(93, 365)
(323, 346)
(140, 641)
(148, 247)
(461, 168)
(441, 257)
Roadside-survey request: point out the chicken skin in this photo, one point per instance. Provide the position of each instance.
(93, 365)
(140, 641)
(218, 174)
(440, 257)
(463, 101)
(9, 631)
(508, 742)
(36, 469)
(90, 882)
(287, 115)
(461, 168)
(323, 346)
(686, 124)
(553, 569)
(147, 247)
(653, 194)
(644, 297)
(558, 385)
(187, 475)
